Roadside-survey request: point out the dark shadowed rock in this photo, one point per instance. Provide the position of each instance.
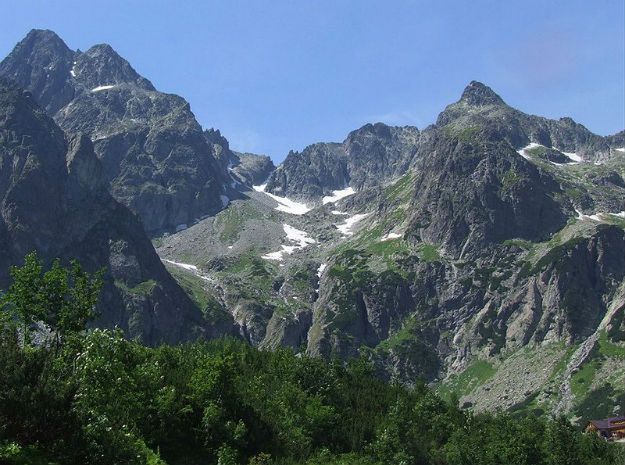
(54, 200)
(153, 151)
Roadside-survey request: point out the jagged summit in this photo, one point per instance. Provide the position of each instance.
(102, 65)
(46, 36)
(154, 154)
(480, 94)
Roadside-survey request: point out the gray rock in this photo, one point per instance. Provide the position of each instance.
(54, 201)
(153, 151)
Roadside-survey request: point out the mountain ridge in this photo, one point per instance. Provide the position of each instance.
(441, 254)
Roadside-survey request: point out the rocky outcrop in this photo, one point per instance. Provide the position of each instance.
(154, 153)
(54, 200)
(480, 107)
(369, 156)
(471, 193)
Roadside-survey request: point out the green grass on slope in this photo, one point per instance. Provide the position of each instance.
(400, 190)
(194, 286)
(143, 288)
(465, 382)
(609, 349)
(583, 378)
(230, 221)
(429, 253)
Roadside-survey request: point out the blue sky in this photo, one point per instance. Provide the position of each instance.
(276, 75)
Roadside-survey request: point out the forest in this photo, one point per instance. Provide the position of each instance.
(71, 394)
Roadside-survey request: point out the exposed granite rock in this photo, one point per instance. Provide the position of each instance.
(471, 193)
(153, 151)
(369, 156)
(251, 169)
(481, 107)
(53, 199)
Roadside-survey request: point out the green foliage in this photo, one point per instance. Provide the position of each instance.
(63, 298)
(98, 398)
(230, 221)
(521, 243)
(473, 376)
(537, 151)
(401, 188)
(465, 134)
(510, 179)
(429, 253)
(583, 378)
(609, 349)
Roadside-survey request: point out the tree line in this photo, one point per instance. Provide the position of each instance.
(74, 395)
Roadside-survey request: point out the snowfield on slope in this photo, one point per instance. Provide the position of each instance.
(338, 195)
(286, 205)
(390, 236)
(530, 146)
(99, 88)
(321, 269)
(299, 237)
(575, 159)
(599, 216)
(186, 266)
(346, 228)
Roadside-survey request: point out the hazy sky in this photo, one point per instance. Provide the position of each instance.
(275, 75)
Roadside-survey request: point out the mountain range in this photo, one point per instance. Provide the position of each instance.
(483, 254)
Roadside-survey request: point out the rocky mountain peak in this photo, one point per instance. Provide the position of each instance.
(38, 40)
(101, 65)
(376, 129)
(44, 62)
(479, 94)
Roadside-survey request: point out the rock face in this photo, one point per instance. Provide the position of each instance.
(471, 193)
(370, 156)
(154, 153)
(54, 200)
(480, 251)
(486, 250)
(480, 106)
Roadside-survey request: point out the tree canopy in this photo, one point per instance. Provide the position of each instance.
(98, 398)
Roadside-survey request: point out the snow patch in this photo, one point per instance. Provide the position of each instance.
(73, 70)
(599, 216)
(573, 156)
(336, 212)
(185, 266)
(273, 256)
(338, 195)
(181, 227)
(286, 205)
(300, 238)
(390, 236)
(296, 235)
(99, 88)
(530, 146)
(620, 149)
(346, 228)
(192, 268)
(224, 200)
(321, 269)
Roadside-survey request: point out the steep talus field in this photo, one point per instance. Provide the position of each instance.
(484, 254)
